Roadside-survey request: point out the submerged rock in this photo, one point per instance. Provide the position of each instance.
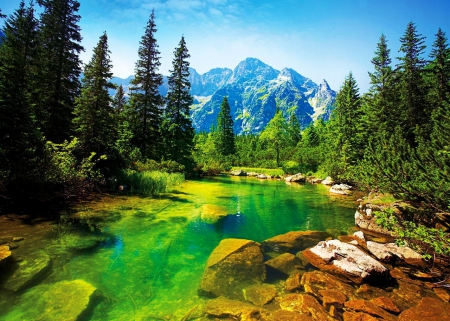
(317, 281)
(32, 268)
(234, 264)
(429, 309)
(5, 253)
(284, 263)
(223, 307)
(369, 308)
(211, 213)
(294, 241)
(346, 259)
(260, 294)
(305, 304)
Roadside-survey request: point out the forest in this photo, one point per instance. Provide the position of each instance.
(63, 137)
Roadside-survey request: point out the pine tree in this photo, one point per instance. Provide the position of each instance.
(440, 69)
(225, 134)
(295, 132)
(94, 119)
(276, 134)
(145, 101)
(60, 67)
(416, 112)
(119, 100)
(178, 132)
(20, 140)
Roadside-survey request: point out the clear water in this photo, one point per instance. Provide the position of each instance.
(147, 255)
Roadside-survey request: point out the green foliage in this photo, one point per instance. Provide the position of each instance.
(276, 135)
(168, 166)
(148, 183)
(291, 167)
(266, 171)
(225, 135)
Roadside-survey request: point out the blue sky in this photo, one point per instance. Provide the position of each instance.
(320, 39)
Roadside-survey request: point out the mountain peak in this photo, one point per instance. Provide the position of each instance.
(324, 85)
(253, 68)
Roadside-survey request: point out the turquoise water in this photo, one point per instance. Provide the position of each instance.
(146, 255)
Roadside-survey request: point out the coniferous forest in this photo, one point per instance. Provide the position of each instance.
(63, 136)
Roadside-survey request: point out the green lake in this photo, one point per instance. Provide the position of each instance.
(146, 255)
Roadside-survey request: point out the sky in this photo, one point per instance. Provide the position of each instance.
(320, 39)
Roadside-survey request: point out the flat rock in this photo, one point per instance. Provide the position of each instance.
(333, 297)
(283, 315)
(442, 293)
(299, 178)
(369, 308)
(238, 172)
(358, 316)
(316, 281)
(32, 268)
(390, 252)
(341, 189)
(429, 309)
(294, 241)
(328, 181)
(294, 282)
(234, 263)
(222, 307)
(346, 259)
(386, 304)
(5, 253)
(260, 294)
(367, 292)
(305, 304)
(284, 263)
(211, 213)
(65, 300)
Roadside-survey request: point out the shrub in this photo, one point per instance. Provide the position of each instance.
(148, 182)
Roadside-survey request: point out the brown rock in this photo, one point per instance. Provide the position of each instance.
(260, 294)
(367, 292)
(409, 294)
(4, 252)
(442, 293)
(282, 315)
(429, 309)
(294, 241)
(234, 263)
(332, 298)
(315, 281)
(358, 316)
(369, 308)
(222, 307)
(305, 304)
(294, 282)
(345, 259)
(386, 304)
(284, 263)
(211, 213)
(391, 251)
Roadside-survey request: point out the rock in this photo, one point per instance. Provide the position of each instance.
(391, 252)
(367, 292)
(429, 309)
(294, 241)
(223, 307)
(328, 181)
(316, 281)
(346, 259)
(365, 218)
(341, 189)
(238, 172)
(386, 304)
(369, 308)
(284, 263)
(32, 268)
(313, 180)
(234, 263)
(252, 174)
(283, 315)
(5, 253)
(442, 293)
(358, 316)
(332, 297)
(18, 239)
(212, 213)
(299, 178)
(262, 176)
(65, 300)
(359, 235)
(260, 294)
(408, 294)
(293, 282)
(13, 245)
(305, 304)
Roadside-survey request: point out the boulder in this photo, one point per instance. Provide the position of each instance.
(333, 298)
(429, 309)
(294, 282)
(260, 294)
(369, 308)
(262, 176)
(345, 259)
(316, 281)
(222, 308)
(386, 304)
(5, 253)
(314, 180)
(358, 316)
(328, 181)
(238, 172)
(391, 252)
(233, 265)
(211, 213)
(368, 222)
(341, 189)
(284, 263)
(32, 268)
(299, 178)
(65, 300)
(283, 315)
(294, 241)
(305, 304)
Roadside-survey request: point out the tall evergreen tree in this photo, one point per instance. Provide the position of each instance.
(416, 112)
(440, 69)
(119, 100)
(295, 132)
(94, 119)
(225, 134)
(60, 67)
(20, 140)
(145, 101)
(178, 132)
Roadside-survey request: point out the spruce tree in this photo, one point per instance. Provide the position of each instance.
(94, 119)
(225, 135)
(119, 100)
(178, 132)
(145, 101)
(295, 132)
(440, 69)
(20, 140)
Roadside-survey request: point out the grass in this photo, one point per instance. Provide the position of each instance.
(265, 171)
(382, 199)
(149, 183)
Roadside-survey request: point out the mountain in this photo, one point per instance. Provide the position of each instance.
(126, 84)
(254, 91)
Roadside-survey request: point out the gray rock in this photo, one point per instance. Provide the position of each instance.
(341, 189)
(238, 172)
(299, 178)
(328, 181)
(391, 251)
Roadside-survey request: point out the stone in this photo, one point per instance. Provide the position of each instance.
(5, 253)
(332, 297)
(314, 282)
(262, 176)
(211, 213)
(238, 172)
(358, 316)
(367, 292)
(31, 269)
(299, 178)
(328, 181)
(391, 252)
(386, 304)
(284, 263)
(283, 315)
(365, 219)
(260, 294)
(369, 308)
(65, 300)
(222, 307)
(345, 259)
(18, 239)
(442, 293)
(234, 263)
(294, 282)
(294, 241)
(359, 235)
(305, 304)
(409, 293)
(429, 309)
(341, 189)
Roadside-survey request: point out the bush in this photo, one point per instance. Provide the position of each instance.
(168, 166)
(291, 167)
(148, 183)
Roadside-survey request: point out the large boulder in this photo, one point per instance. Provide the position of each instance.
(285, 263)
(299, 178)
(5, 253)
(391, 252)
(211, 213)
(32, 268)
(367, 220)
(328, 181)
(305, 304)
(429, 309)
(294, 241)
(316, 282)
(369, 308)
(260, 294)
(238, 172)
(341, 189)
(65, 300)
(226, 308)
(233, 265)
(345, 259)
